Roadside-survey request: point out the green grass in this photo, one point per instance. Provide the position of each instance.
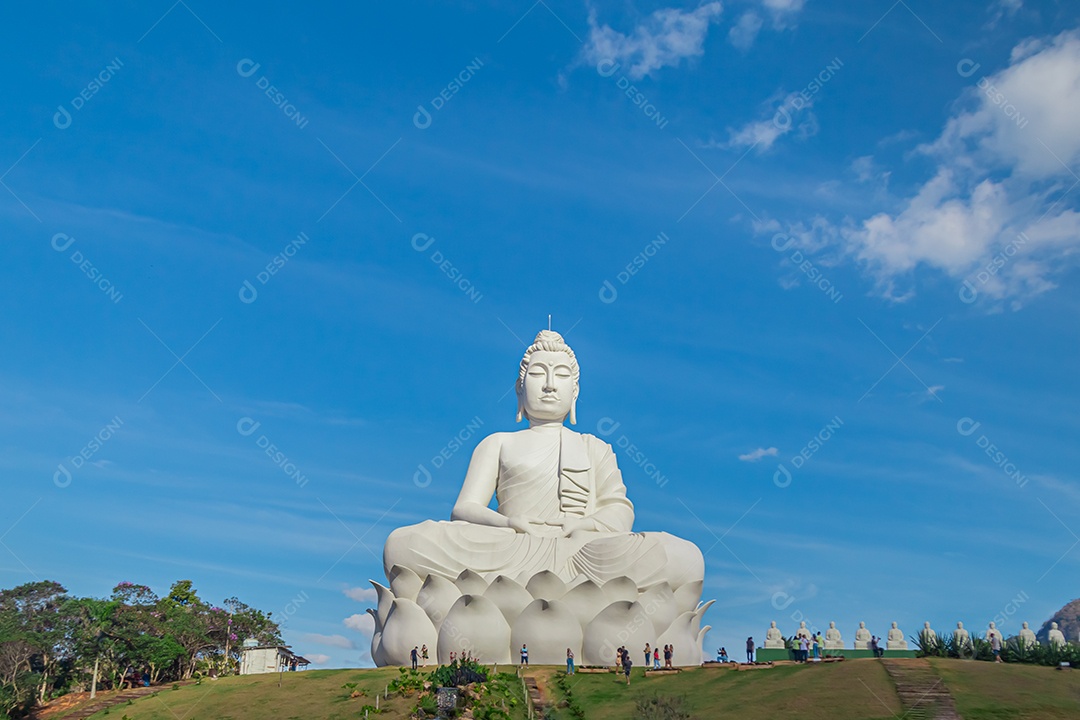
(855, 690)
(852, 690)
(989, 691)
(302, 696)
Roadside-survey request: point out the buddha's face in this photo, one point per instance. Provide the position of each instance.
(549, 387)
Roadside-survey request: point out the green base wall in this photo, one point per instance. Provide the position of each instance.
(773, 654)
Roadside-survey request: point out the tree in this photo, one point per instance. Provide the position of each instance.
(41, 628)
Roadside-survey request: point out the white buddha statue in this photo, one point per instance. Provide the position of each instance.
(773, 638)
(962, 637)
(561, 508)
(803, 631)
(992, 630)
(1027, 636)
(862, 637)
(895, 639)
(927, 634)
(1055, 636)
(833, 641)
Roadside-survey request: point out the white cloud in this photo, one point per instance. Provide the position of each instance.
(745, 31)
(782, 117)
(339, 641)
(755, 455)
(992, 213)
(362, 623)
(663, 39)
(318, 658)
(783, 11)
(361, 594)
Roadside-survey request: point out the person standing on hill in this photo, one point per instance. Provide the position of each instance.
(750, 649)
(569, 661)
(423, 655)
(656, 658)
(648, 654)
(524, 655)
(413, 655)
(627, 663)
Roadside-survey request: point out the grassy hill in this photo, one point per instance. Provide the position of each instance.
(852, 690)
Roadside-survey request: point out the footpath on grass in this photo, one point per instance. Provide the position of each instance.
(921, 690)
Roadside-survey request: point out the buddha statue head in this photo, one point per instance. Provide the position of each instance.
(547, 385)
(1026, 626)
(959, 626)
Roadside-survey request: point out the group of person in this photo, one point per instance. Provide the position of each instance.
(421, 654)
(653, 654)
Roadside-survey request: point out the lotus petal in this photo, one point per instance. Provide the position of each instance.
(585, 602)
(688, 596)
(477, 626)
(509, 596)
(386, 599)
(546, 585)
(548, 628)
(620, 623)
(470, 583)
(404, 582)
(659, 602)
(407, 626)
(621, 588)
(437, 595)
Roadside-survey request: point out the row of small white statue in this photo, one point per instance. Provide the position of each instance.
(895, 639)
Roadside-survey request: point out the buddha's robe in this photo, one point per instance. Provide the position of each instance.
(568, 475)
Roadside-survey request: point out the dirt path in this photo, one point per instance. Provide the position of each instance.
(921, 690)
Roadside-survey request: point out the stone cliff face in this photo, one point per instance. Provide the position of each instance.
(1068, 620)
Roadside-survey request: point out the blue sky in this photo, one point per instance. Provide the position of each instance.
(856, 214)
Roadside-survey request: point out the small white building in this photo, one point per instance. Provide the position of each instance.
(256, 659)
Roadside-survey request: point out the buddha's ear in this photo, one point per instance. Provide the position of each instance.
(573, 412)
(520, 410)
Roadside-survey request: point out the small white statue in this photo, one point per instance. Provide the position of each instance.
(803, 632)
(962, 637)
(773, 638)
(1027, 636)
(862, 637)
(895, 639)
(833, 641)
(991, 631)
(927, 634)
(1056, 637)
